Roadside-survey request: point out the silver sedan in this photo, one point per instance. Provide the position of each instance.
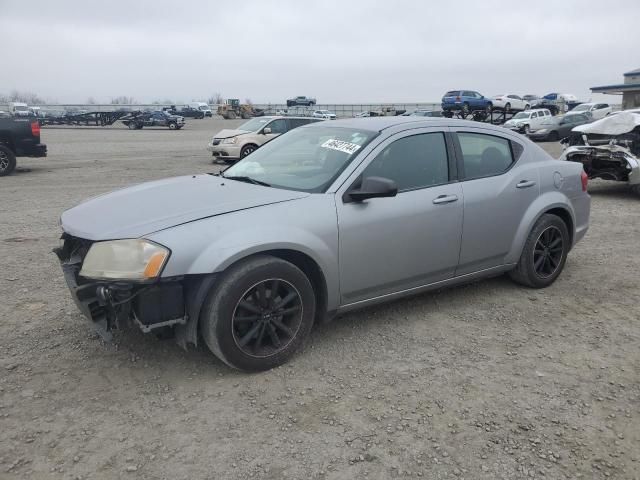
(322, 220)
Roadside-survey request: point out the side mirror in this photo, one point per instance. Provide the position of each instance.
(266, 131)
(374, 187)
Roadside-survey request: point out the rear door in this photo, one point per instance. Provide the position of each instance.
(497, 188)
(393, 244)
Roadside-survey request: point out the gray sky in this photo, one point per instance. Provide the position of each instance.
(346, 51)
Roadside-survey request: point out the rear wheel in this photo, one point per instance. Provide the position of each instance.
(507, 107)
(231, 116)
(258, 314)
(544, 253)
(132, 125)
(465, 108)
(7, 161)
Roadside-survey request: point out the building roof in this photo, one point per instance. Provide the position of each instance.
(632, 73)
(618, 88)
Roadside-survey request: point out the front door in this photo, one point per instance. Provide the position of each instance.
(393, 244)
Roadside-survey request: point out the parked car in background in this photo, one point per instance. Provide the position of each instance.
(525, 122)
(558, 103)
(19, 137)
(466, 101)
(510, 102)
(531, 99)
(301, 100)
(203, 107)
(230, 145)
(324, 114)
(186, 111)
(19, 109)
(556, 128)
(249, 259)
(155, 119)
(608, 148)
(594, 110)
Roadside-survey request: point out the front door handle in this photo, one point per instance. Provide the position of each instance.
(445, 199)
(525, 184)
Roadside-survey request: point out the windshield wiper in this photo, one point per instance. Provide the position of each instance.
(243, 178)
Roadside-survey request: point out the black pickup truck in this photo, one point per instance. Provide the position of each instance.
(19, 137)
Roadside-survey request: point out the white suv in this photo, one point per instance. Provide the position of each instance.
(529, 120)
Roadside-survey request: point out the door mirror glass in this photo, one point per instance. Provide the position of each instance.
(266, 131)
(374, 187)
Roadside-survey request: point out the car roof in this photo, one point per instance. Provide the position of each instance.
(378, 124)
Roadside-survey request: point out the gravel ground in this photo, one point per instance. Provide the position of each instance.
(485, 381)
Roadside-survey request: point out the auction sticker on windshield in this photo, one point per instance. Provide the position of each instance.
(341, 146)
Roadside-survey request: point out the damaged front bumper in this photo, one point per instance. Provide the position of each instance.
(109, 305)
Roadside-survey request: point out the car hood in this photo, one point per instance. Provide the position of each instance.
(149, 207)
(228, 133)
(619, 124)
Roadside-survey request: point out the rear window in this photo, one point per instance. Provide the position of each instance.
(452, 93)
(484, 155)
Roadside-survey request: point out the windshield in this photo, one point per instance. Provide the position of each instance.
(254, 124)
(521, 115)
(582, 108)
(306, 159)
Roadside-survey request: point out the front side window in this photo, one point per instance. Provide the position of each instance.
(278, 126)
(412, 162)
(484, 155)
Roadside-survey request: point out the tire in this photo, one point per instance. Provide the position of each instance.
(173, 126)
(507, 107)
(243, 337)
(465, 108)
(248, 149)
(539, 267)
(245, 116)
(231, 116)
(7, 161)
(635, 189)
(490, 107)
(132, 126)
(527, 106)
(527, 129)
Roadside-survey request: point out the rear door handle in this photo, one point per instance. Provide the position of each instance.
(525, 184)
(445, 199)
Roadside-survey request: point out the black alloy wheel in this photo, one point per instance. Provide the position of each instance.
(267, 318)
(548, 252)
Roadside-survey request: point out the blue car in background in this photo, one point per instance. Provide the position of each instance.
(465, 100)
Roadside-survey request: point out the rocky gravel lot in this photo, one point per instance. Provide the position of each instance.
(484, 381)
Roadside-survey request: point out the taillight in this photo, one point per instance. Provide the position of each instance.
(35, 129)
(585, 180)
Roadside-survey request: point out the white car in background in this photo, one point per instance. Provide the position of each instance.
(596, 111)
(529, 120)
(509, 102)
(324, 114)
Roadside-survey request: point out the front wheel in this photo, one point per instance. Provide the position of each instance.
(7, 161)
(259, 313)
(247, 150)
(527, 129)
(173, 126)
(544, 253)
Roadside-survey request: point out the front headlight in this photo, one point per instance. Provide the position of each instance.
(519, 125)
(134, 259)
(229, 141)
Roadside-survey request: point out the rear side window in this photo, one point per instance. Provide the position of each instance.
(297, 122)
(413, 162)
(484, 155)
(452, 93)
